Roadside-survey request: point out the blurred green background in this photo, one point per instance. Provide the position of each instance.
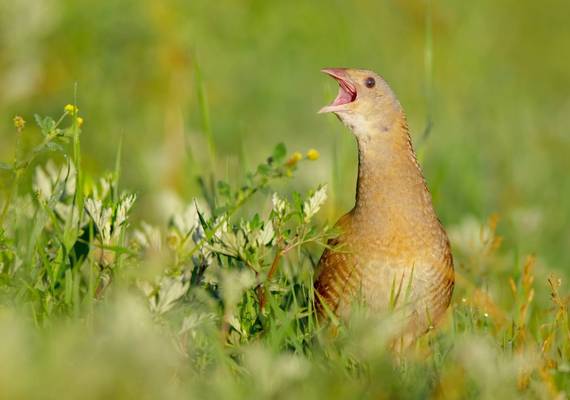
(498, 95)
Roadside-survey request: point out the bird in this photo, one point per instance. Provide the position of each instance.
(392, 252)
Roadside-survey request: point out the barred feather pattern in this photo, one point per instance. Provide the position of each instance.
(393, 252)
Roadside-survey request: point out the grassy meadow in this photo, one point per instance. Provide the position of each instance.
(166, 189)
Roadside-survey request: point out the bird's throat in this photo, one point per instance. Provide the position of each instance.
(391, 190)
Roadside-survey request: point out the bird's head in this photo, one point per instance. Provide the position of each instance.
(365, 103)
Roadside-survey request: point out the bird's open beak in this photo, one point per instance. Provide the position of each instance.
(346, 91)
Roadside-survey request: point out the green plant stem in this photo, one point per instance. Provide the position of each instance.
(262, 293)
(17, 175)
(10, 196)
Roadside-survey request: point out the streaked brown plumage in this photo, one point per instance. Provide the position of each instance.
(392, 250)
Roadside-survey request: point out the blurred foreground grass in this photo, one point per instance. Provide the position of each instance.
(108, 294)
(499, 105)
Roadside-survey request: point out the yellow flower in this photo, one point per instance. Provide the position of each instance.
(295, 158)
(79, 121)
(313, 154)
(70, 109)
(19, 123)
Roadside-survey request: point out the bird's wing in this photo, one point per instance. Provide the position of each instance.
(336, 272)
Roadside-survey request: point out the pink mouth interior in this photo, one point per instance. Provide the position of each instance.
(346, 92)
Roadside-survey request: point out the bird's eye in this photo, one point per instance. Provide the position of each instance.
(370, 82)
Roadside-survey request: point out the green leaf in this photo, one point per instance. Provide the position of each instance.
(51, 146)
(47, 124)
(38, 119)
(279, 153)
(224, 189)
(264, 169)
(256, 222)
(5, 166)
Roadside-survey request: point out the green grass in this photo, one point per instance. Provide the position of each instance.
(220, 302)
(136, 248)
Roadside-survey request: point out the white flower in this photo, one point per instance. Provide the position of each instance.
(279, 205)
(192, 322)
(146, 287)
(245, 226)
(230, 243)
(48, 179)
(100, 192)
(314, 203)
(171, 290)
(221, 226)
(265, 235)
(235, 324)
(125, 204)
(42, 184)
(187, 220)
(56, 185)
(149, 237)
(101, 216)
(68, 212)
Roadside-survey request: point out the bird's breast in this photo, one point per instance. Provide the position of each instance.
(387, 270)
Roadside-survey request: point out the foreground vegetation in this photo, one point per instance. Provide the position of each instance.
(219, 303)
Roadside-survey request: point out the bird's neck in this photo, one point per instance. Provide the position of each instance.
(391, 189)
